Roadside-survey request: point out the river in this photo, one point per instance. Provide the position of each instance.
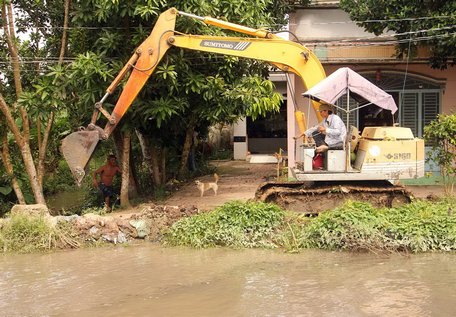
(150, 280)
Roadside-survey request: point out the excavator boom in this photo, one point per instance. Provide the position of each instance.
(78, 147)
(288, 56)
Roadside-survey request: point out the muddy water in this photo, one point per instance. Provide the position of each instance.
(154, 281)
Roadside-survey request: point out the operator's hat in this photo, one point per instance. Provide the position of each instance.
(325, 106)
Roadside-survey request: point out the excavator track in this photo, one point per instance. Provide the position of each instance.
(311, 198)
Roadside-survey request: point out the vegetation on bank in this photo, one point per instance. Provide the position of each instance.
(235, 224)
(356, 226)
(420, 226)
(24, 233)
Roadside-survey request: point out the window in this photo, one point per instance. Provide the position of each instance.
(353, 116)
(418, 101)
(417, 109)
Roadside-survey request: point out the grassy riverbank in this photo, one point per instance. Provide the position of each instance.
(25, 233)
(421, 226)
(356, 226)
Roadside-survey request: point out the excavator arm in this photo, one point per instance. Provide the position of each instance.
(288, 56)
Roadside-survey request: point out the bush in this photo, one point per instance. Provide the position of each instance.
(441, 134)
(423, 226)
(235, 224)
(353, 226)
(59, 180)
(417, 227)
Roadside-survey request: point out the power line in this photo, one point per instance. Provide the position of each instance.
(341, 42)
(345, 45)
(398, 34)
(330, 45)
(261, 26)
(379, 37)
(379, 21)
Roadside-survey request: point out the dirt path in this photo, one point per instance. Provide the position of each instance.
(238, 181)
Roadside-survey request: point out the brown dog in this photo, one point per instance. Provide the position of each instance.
(203, 187)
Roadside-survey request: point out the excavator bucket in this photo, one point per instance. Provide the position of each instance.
(77, 149)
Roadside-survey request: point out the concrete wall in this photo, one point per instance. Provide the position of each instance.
(240, 140)
(317, 25)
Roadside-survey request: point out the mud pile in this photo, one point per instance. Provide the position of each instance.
(148, 223)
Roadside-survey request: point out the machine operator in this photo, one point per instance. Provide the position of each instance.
(330, 133)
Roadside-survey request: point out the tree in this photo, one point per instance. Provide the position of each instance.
(124, 197)
(441, 133)
(9, 169)
(21, 112)
(430, 23)
(189, 90)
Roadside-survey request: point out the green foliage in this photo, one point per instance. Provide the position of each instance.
(94, 210)
(23, 233)
(160, 193)
(188, 88)
(431, 23)
(86, 79)
(290, 237)
(222, 154)
(417, 227)
(441, 133)
(353, 226)
(59, 179)
(6, 202)
(38, 44)
(5, 190)
(160, 110)
(46, 91)
(235, 224)
(422, 226)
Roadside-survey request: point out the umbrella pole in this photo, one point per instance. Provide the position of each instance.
(348, 143)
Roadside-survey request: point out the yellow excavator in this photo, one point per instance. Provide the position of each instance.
(384, 153)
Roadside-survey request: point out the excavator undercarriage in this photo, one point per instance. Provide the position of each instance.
(311, 198)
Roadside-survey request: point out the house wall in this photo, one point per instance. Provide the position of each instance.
(448, 77)
(338, 42)
(324, 24)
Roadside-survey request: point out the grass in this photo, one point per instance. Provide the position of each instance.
(431, 179)
(420, 226)
(24, 234)
(235, 224)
